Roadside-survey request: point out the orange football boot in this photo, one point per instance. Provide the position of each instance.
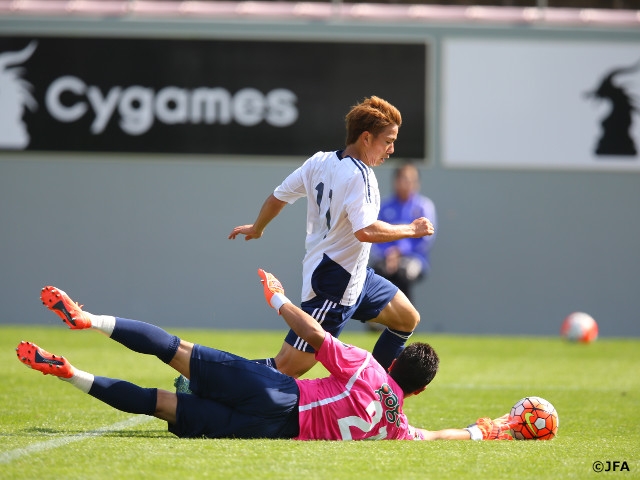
(69, 311)
(35, 357)
(271, 285)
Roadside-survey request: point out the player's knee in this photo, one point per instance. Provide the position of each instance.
(416, 319)
(405, 320)
(293, 362)
(405, 316)
(410, 320)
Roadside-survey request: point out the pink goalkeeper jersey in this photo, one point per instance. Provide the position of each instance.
(358, 401)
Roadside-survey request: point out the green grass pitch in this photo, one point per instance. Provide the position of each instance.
(50, 430)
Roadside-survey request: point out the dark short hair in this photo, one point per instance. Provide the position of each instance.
(415, 367)
(403, 166)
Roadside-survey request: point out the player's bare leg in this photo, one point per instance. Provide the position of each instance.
(182, 359)
(294, 362)
(166, 406)
(399, 314)
(401, 318)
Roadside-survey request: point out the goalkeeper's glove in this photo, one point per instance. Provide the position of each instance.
(273, 290)
(487, 429)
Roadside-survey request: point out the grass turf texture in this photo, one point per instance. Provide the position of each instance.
(595, 388)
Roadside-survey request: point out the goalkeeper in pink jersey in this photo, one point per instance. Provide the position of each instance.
(238, 398)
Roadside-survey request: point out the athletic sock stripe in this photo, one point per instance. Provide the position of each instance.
(398, 334)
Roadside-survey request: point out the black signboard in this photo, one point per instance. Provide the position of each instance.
(284, 98)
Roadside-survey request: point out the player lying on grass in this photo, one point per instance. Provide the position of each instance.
(238, 398)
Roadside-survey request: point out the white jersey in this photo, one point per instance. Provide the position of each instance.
(342, 198)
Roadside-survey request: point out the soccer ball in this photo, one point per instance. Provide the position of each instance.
(579, 327)
(536, 419)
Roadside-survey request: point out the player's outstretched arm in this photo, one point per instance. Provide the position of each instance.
(446, 434)
(382, 232)
(483, 429)
(270, 209)
(305, 326)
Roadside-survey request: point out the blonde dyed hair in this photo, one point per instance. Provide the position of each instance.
(371, 115)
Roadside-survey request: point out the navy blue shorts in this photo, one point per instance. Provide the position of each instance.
(236, 398)
(376, 294)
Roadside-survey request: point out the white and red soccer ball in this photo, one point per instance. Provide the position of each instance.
(579, 327)
(533, 418)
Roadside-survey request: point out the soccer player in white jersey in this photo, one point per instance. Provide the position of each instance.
(343, 202)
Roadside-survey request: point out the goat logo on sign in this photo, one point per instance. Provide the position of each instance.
(616, 126)
(15, 95)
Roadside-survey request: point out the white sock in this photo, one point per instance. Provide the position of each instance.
(80, 379)
(104, 323)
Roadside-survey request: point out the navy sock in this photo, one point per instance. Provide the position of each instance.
(145, 338)
(389, 346)
(124, 396)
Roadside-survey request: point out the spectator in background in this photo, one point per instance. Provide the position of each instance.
(405, 261)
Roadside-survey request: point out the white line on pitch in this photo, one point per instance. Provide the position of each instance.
(6, 457)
